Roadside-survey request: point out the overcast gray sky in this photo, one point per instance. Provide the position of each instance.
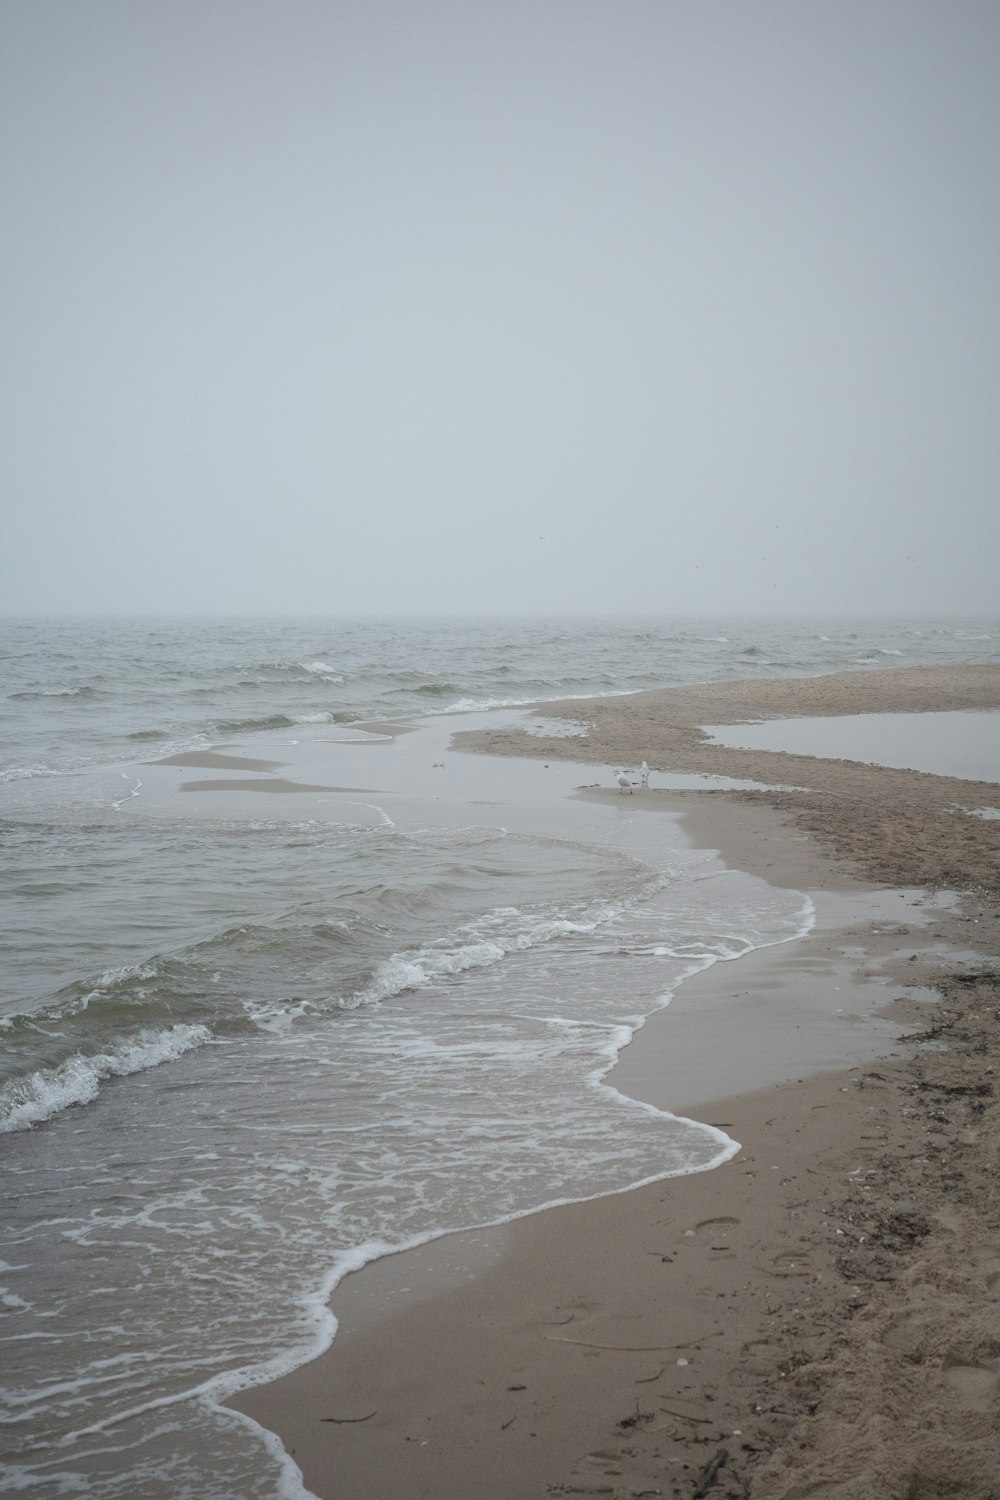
(644, 305)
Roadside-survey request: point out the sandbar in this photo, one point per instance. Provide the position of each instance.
(215, 760)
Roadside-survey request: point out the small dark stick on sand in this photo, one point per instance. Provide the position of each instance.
(710, 1473)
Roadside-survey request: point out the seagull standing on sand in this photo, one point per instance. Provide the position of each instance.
(644, 774)
(624, 784)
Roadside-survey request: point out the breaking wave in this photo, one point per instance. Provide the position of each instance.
(48, 1091)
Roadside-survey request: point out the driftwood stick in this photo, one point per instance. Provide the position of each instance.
(931, 1031)
(683, 1416)
(342, 1420)
(625, 1348)
(709, 1474)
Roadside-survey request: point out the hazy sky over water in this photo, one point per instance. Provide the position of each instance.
(652, 305)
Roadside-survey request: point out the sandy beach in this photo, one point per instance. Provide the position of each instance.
(821, 1315)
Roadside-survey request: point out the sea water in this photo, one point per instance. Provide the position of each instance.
(964, 743)
(250, 1041)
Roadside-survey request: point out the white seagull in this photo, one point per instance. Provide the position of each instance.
(624, 784)
(644, 774)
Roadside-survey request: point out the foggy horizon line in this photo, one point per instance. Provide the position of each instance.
(218, 616)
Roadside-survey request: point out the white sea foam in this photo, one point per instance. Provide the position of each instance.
(125, 972)
(109, 980)
(25, 773)
(28, 1101)
(120, 801)
(394, 976)
(274, 1016)
(490, 940)
(457, 960)
(322, 669)
(486, 705)
(479, 705)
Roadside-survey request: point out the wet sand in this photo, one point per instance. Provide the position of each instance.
(822, 1314)
(274, 785)
(215, 760)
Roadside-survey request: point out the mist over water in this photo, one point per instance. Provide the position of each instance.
(679, 308)
(243, 1050)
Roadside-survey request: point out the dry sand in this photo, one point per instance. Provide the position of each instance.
(819, 1317)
